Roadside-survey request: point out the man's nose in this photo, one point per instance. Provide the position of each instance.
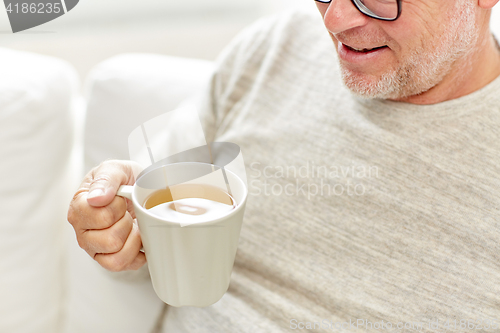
(342, 15)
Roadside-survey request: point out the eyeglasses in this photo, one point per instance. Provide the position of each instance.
(386, 10)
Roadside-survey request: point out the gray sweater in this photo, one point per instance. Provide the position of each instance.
(363, 214)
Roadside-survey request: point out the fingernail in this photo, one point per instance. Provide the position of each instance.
(95, 193)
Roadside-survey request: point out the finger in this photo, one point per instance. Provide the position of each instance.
(85, 217)
(138, 262)
(106, 179)
(110, 240)
(126, 256)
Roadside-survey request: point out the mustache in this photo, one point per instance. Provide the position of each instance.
(360, 38)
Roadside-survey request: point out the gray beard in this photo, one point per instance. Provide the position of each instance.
(424, 69)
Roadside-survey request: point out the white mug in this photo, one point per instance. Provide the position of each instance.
(189, 265)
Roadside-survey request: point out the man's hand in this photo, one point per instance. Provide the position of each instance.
(103, 222)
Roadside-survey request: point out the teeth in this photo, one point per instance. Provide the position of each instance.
(363, 50)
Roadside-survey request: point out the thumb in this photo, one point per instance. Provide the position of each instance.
(105, 180)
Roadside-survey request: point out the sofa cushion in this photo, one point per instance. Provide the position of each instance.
(127, 90)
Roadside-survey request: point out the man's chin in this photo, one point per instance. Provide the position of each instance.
(371, 86)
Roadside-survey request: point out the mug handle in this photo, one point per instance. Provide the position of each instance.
(125, 191)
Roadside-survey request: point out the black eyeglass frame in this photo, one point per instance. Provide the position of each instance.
(366, 11)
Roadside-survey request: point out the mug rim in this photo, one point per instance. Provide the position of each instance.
(135, 201)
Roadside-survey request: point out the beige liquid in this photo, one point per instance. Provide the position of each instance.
(192, 203)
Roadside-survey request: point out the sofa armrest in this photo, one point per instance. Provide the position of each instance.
(36, 135)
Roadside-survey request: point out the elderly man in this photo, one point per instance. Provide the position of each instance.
(373, 173)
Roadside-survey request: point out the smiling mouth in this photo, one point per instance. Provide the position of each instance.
(364, 50)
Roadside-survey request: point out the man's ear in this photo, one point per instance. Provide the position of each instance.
(487, 4)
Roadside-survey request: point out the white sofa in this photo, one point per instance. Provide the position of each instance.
(47, 283)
